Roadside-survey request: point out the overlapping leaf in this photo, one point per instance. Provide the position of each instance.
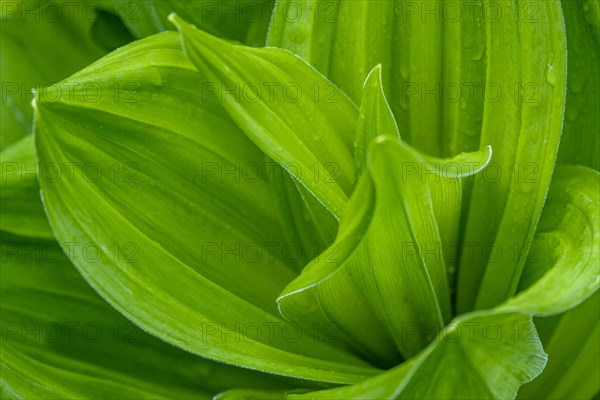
(571, 339)
(409, 273)
(436, 95)
(438, 98)
(293, 113)
(567, 245)
(243, 21)
(201, 261)
(524, 132)
(490, 354)
(188, 251)
(60, 339)
(333, 280)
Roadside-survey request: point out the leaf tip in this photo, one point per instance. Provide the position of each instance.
(175, 20)
(375, 74)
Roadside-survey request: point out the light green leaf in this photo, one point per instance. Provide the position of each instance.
(569, 225)
(61, 340)
(432, 60)
(299, 118)
(187, 251)
(416, 65)
(507, 200)
(478, 356)
(247, 394)
(566, 250)
(433, 66)
(344, 41)
(298, 224)
(388, 273)
(462, 91)
(391, 267)
(572, 341)
(21, 210)
(375, 117)
(325, 294)
(565, 256)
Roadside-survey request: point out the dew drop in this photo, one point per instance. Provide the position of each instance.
(573, 112)
(404, 70)
(550, 74)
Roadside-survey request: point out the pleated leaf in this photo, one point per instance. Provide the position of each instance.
(490, 354)
(566, 252)
(404, 281)
(432, 60)
(189, 251)
(507, 201)
(302, 121)
(572, 339)
(60, 339)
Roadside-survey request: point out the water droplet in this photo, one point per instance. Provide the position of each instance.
(577, 83)
(590, 13)
(550, 74)
(573, 112)
(404, 70)
(477, 53)
(298, 35)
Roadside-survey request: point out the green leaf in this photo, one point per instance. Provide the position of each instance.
(462, 90)
(412, 267)
(580, 143)
(567, 238)
(189, 251)
(572, 339)
(109, 31)
(61, 340)
(325, 294)
(326, 288)
(566, 252)
(570, 224)
(432, 61)
(298, 224)
(248, 394)
(22, 212)
(375, 117)
(479, 356)
(342, 41)
(53, 48)
(391, 266)
(301, 120)
(414, 35)
(243, 21)
(507, 201)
